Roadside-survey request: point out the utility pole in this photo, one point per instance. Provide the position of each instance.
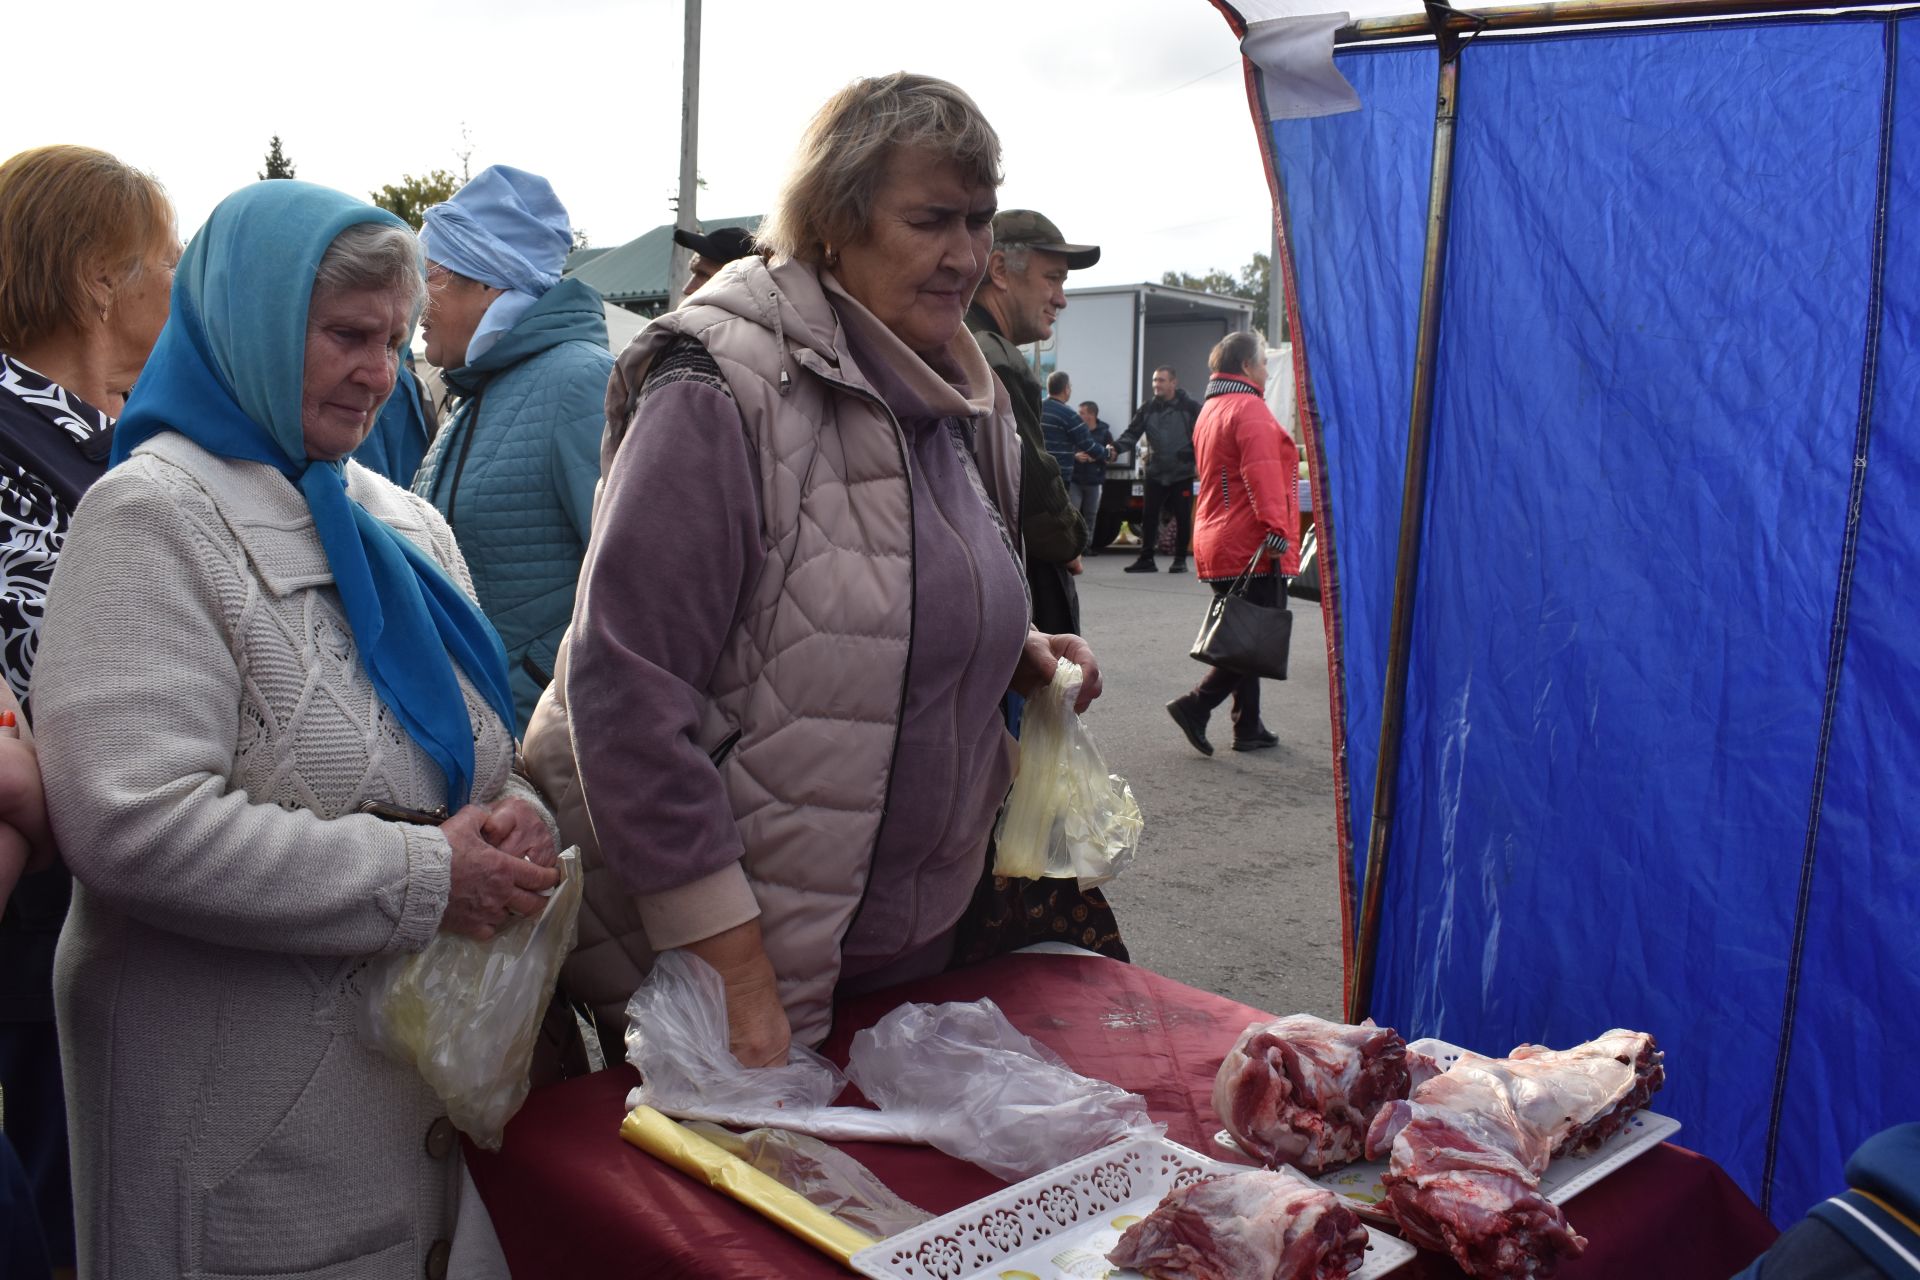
(689, 150)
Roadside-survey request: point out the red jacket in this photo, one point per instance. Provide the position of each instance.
(1249, 469)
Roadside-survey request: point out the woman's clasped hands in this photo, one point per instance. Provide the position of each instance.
(503, 861)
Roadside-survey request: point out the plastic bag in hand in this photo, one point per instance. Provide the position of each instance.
(1066, 816)
(827, 1176)
(677, 1039)
(466, 1013)
(982, 1091)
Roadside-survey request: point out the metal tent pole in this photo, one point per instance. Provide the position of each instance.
(1413, 506)
(1560, 13)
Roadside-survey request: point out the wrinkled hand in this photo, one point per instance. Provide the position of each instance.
(1043, 653)
(516, 828)
(757, 1028)
(487, 885)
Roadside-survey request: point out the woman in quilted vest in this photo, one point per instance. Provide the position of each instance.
(263, 686)
(803, 603)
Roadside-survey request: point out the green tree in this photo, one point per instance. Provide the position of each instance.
(413, 196)
(1251, 283)
(278, 165)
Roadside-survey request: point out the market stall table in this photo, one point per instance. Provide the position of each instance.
(569, 1198)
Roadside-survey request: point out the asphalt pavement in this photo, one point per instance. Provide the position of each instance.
(1236, 885)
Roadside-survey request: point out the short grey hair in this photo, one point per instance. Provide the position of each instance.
(1016, 257)
(1236, 351)
(375, 255)
(827, 198)
(1058, 381)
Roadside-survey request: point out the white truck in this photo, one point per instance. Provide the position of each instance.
(1110, 339)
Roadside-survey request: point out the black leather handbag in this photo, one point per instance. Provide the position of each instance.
(1239, 635)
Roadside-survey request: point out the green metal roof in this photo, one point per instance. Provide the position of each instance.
(636, 272)
(581, 257)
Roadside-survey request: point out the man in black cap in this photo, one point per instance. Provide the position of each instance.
(711, 251)
(1016, 303)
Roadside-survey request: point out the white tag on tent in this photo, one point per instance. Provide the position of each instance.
(1295, 56)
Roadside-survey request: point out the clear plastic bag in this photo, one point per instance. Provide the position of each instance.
(677, 1039)
(466, 1013)
(987, 1093)
(827, 1176)
(1067, 816)
(959, 1077)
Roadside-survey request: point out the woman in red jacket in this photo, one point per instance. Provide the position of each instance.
(1248, 504)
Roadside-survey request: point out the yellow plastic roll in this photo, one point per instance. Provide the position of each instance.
(728, 1174)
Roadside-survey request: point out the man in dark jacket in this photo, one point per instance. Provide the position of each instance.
(1016, 302)
(1167, 422)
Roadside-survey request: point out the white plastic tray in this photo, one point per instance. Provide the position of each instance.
(1565, 1178)
(1060, 1225)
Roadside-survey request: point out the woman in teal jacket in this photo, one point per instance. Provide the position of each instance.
(525, 353)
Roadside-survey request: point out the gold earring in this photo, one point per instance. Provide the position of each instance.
(832, 256)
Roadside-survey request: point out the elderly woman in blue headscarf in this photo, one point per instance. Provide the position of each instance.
(525, 354)
(275, 734)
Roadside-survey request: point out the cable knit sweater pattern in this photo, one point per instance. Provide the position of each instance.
(207, 733)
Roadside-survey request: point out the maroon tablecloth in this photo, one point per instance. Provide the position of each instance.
(569, 1198)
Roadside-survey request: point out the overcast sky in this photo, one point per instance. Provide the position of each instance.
(1125, 121)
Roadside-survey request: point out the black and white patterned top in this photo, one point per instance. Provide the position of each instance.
(39, 418)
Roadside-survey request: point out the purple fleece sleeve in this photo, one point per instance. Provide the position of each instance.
(675, 550)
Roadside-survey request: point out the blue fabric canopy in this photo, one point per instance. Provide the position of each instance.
(1662, 709)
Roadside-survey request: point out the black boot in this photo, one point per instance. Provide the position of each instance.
(1144, 564)
(1192, 721)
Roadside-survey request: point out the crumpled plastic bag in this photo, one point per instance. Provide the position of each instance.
(987, 1093)
(677, 1038)
(827, 1176)
(958, 1077)
(466, 1013)
(1067, 815)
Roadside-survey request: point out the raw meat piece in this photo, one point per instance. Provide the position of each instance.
(1596, 1058)
(1464, 1170)
(1257, 1225)
(1301, 1090)
(1469, 1146)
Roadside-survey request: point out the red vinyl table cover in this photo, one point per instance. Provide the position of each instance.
(569, 1198)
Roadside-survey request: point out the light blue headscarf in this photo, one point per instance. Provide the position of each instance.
(226, 373)
(506, 229)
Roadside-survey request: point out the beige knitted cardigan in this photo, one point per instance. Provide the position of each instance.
(207, 731)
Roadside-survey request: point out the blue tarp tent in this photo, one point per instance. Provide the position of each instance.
(1662, 711)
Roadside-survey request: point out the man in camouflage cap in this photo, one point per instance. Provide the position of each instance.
(1018, 298)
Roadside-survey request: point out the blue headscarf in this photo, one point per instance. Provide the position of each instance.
(227, 373)
(506, 229)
